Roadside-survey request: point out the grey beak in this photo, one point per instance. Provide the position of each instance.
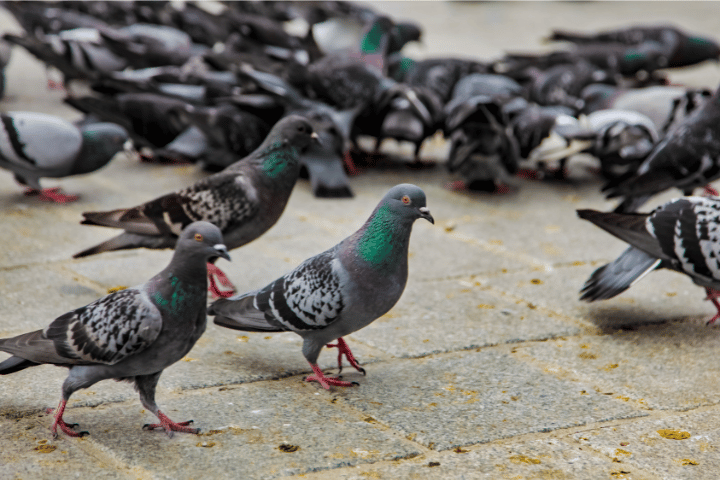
(425, 213)
(222, 251)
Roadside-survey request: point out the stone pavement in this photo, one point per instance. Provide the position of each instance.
(488, 367)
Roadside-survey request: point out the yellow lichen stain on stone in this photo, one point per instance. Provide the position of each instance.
(587, 356)
(578, 263)
(205, 444)
(550, 249)
(465, 290)
(460, 450)
(672, 434)
(552, 228)
(619, 474)
(485, 306)
(687, 462)
(584, 345)
(620, 451)
(495, 242)
(243, 338)
(705, 447)
(524, 459)
(369, 420)
(44, 448)
(610, 366)
(188, 359)
(670, 294)
(536, 281)
(287, 448)
(432, 404)
(116, 289)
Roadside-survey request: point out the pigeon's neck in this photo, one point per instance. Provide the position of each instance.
(372, 42)
(180, 295)
(94, 153)
(383, 240)
(279, 160)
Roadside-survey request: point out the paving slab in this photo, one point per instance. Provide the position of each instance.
(267, 430)
(672, 447)
(459, 314)
(667, 366)
(475, 397)
(534, 459)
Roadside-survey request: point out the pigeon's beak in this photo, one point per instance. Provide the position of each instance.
(315, 137)
(222, 251)
(425, 213)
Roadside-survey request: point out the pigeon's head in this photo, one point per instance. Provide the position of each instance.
(407, 201)
(101, 141)
(293, 131)
(202, 239)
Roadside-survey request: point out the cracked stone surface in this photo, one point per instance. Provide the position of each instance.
(488, 367)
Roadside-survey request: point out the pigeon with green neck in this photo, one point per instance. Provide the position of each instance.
(338, 291)
(37, 145)
(244, 200)
(130, 335)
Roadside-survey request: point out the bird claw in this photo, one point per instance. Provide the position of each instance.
(171, 426)
(51, 195)
(343, 349)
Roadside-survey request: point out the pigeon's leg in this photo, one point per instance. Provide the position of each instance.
(343, 349)
(713, 295)
(146, 388)
(213, 273)
(710, 191)
(456, 186)
(51, 195)
(350, 166)
(326, 381)
(67, 428)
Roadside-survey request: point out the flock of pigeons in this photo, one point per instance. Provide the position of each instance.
(240, 94)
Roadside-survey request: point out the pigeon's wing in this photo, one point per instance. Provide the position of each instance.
(308, 298)
(225, 199)
(108, 330)
(38, 141)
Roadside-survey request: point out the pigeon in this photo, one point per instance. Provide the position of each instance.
(688, 157)
(244, 200)
(132, 334)
(682, 48)
(680, 235)
(35, 145)
(338, 291)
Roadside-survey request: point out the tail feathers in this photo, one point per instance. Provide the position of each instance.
(619, 275)
(15, 364)
(128, 240)
(629, 227)
(130, 219)
(327, 176)
(239, 313)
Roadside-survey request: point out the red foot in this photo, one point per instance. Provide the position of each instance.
(53, 85)
(170, 426)
(713, 295)
(456, 186)
(528, 174)
(213, 273)
(350, 166)
(67, 428)
(326, 381)
(343, 349)
(709, 191)
(51, 195)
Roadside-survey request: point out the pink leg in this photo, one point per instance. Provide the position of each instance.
(170, 426)
(528, 174)
(213, 273)
(67, 428)
(350, 166)
(456, 186)
(343, 349)
(713, 295)
(51, 195)
(709, 191)
(326, 381)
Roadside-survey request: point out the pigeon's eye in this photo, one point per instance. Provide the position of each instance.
(301, 128)
(406, 200)
(198, 237)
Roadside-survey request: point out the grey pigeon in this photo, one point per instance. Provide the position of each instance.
(681, 235)
(687, 158)
(244, 200)
(36, 145)
(338, 291)
(130, 335)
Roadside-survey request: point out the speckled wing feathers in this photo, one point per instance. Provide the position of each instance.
(308, 298)
(107, 330)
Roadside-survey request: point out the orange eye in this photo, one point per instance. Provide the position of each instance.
(198, 237)
(406, 200)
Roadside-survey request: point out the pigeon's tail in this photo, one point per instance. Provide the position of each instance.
(617, 276)
(127, 240)
(567, 36)
(629, 227)
(15, 364)
(239, 313)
